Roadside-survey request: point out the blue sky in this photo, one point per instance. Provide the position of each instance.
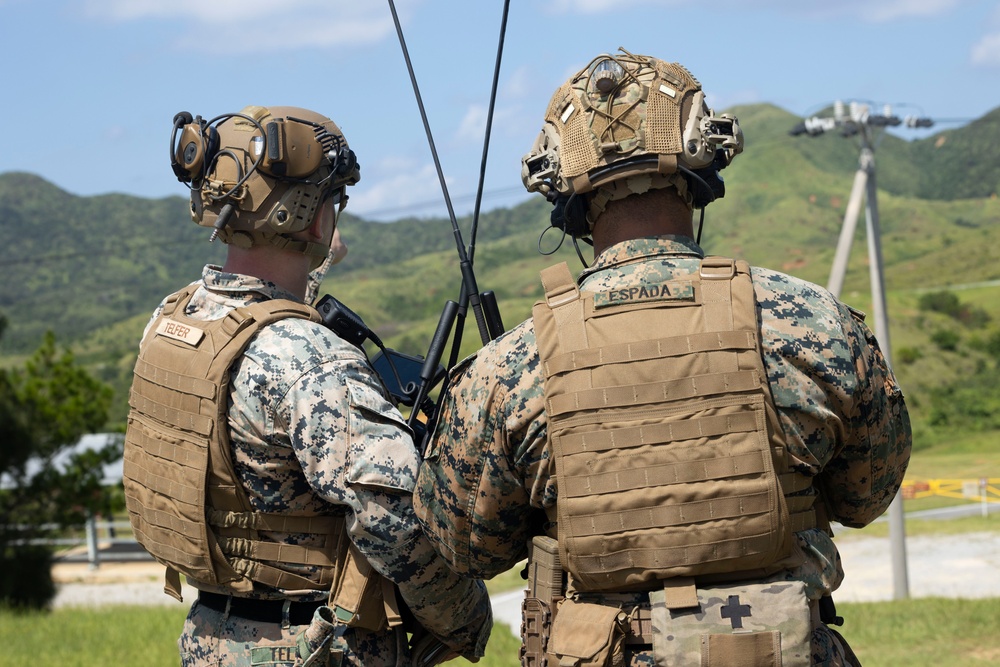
(90, 86)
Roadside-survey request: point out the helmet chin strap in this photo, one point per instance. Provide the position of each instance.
(317, 251)
(319, 271)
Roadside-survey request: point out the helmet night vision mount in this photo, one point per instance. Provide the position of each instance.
(261, 174)
(623, 125)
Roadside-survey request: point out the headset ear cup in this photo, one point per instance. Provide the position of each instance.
(570, 215)
(211, 147)
(346, 163)
(194, 153)
(188, 152)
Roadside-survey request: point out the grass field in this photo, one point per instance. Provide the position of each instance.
(928, 632)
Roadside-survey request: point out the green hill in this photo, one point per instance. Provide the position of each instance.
(92, 268)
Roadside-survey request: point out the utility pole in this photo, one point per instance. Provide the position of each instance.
(857, 120)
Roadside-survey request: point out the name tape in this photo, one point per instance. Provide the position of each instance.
(677, 290)
(178, 331)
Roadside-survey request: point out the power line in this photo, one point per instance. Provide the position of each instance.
(858, 120)
(437, 203)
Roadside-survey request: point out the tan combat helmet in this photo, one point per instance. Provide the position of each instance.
(623, 125)
(259, 175)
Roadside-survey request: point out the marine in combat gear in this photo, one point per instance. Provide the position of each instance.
(669, 436)
(264, 461)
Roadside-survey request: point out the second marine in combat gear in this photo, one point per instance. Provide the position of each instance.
(670, 434)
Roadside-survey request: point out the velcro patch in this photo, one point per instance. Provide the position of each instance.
(178, 331)
(274, 656)
(674, 290)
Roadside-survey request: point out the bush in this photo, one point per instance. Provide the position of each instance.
(948, 303)
(26, 578)
(45, 408)
(946, 339)
(971, 404)
(940, 302)
(992, 345)
(907, 355)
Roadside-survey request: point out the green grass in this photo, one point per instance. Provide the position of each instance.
(502, 651)
(126, 636)
(970, 457)
(919, 527)
(114, 635)
(507, 581)
(930, 632)
(927, 631)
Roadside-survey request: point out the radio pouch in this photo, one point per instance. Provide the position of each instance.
(743, 625)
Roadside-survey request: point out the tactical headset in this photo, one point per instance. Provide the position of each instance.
(622, 125)
(260, 174)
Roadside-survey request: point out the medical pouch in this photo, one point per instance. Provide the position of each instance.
(742, 625)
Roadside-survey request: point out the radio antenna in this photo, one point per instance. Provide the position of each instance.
(469, 286)
(494, 323)
(489, 127)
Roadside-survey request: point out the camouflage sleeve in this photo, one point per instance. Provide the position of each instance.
(864, 474)
(840, 407)
(454, 608)
(485, 474)
(355, 449)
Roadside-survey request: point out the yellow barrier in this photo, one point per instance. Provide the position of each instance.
(983, 489)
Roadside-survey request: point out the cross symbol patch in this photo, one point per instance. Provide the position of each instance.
(736, 612)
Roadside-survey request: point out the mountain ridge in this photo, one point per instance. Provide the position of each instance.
(92, 268)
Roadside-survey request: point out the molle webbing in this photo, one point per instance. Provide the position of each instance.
(186, 505)
(670, 460)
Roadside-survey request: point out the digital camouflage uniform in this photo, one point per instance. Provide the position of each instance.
(487, 474)
(312, 432)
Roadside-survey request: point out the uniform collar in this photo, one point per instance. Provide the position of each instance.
(640, 249)
(230, 284)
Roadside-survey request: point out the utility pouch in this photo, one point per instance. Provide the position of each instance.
(358, 597)
(587, 635)
(317, 643)
(742, 625)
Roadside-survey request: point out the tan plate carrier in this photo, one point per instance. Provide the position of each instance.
(670, 459)
(187, 507)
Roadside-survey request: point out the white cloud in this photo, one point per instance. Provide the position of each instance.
(891, 10)
(473, 124)
(598, 6)
(216, 11)
(876, 11)
(235, 26)
(520, 83)
(400, 187)
(258, 36)
(986, 51)
(115, 133)
(507, 121)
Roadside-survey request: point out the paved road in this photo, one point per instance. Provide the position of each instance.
(962, 566)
